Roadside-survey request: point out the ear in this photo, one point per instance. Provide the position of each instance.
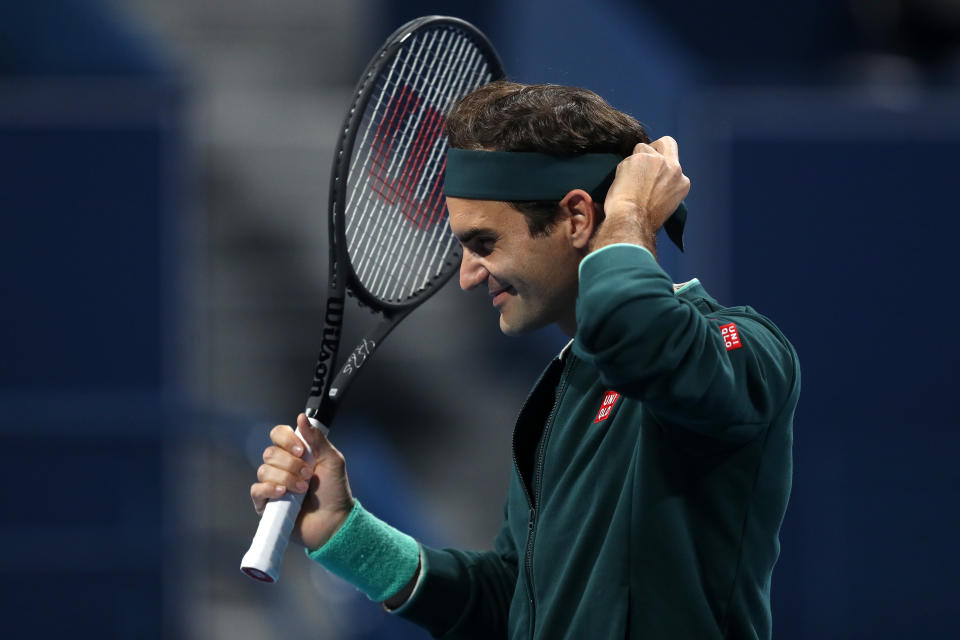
(583, 217)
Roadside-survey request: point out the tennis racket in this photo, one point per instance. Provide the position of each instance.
(390, 244)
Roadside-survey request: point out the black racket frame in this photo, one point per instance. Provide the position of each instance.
(327, 390)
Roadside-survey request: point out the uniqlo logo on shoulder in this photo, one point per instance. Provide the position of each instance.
(731, 337)
(606, 407)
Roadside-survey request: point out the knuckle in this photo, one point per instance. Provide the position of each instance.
(269, 453)
(258, 495)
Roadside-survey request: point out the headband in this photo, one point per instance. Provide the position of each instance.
(519, 176)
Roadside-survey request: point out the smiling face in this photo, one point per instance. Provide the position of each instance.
(532, 280)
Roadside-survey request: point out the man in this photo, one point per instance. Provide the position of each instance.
(652, 459)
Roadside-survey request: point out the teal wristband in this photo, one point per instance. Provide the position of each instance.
(369, 554)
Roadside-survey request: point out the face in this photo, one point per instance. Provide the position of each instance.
(531, 281)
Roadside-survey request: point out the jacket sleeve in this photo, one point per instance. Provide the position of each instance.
(465, 594)
(650, 344)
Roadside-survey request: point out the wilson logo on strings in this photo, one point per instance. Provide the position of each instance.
(406, 142)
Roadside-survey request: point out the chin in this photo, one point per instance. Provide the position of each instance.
(518, 327)
(508, 330)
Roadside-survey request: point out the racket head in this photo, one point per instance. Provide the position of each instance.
(388, 216)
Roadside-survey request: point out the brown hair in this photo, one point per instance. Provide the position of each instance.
(554, 119)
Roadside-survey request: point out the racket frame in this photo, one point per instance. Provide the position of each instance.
(262, 560)
(327, 390)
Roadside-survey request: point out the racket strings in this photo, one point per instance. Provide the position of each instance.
(435, 197)
(420, 130)
(405, 242)
(396, 219)
(385, 157)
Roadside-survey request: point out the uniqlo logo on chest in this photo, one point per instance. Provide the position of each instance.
(606, 407)
(731, 337)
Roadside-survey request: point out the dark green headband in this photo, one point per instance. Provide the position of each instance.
(513, 176)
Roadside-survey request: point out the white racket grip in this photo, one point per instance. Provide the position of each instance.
(262, 560)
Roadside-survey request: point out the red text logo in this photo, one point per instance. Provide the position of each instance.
(731, 337)
(606, 407)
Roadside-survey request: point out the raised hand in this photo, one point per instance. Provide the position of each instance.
(288, 466)
(648, 187)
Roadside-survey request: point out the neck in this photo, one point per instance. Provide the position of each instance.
(568, 324)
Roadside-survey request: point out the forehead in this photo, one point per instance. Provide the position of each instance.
(469, 218)
(470, 215)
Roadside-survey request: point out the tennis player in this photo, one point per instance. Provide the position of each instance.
(652, 458)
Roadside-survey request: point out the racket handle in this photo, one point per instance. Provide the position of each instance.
(262, 560)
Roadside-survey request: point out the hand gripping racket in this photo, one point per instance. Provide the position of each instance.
(390, 244)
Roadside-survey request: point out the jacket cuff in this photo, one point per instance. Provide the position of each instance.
(416, 587)
(437, 602)
(612, 252)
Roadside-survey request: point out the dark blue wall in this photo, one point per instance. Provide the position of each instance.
(89, 138)
(856, 266)
(82, 221)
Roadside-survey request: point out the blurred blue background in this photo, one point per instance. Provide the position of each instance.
(163, 180)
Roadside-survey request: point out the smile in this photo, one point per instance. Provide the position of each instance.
(500, 295)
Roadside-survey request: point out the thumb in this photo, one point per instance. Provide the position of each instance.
(318, 442)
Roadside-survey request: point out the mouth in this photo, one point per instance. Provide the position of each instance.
(500, 295)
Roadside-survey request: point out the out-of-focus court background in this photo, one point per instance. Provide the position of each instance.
(163, 187)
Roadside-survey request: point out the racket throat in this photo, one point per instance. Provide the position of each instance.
(332, 322)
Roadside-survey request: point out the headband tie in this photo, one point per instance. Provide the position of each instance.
(523, 176)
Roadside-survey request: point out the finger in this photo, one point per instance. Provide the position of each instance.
(643, 147)
(262, 492)
(277, 457)
(667, 147)
(324, 453)
(279, 477)
(284, 437)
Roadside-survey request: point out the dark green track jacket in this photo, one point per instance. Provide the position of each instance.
(652, 469)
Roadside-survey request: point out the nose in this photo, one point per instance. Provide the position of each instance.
(472, 272)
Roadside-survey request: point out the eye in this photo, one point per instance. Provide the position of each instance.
(485, 246)
(481, 245)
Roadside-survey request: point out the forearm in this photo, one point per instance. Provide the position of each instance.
(626, 229)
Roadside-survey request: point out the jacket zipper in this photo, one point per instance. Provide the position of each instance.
(537, 477)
